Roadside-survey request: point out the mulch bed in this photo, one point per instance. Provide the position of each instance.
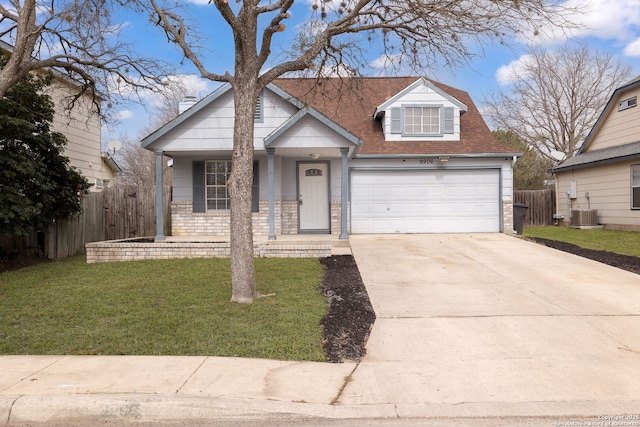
(624, 262)
(351, 316)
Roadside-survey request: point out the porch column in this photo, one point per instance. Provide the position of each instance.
(272, 192)
(159, 201)
(344, 193)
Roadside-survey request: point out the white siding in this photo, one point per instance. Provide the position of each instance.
(211, 128)
(421, 95)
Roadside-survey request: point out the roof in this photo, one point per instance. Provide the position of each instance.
(612, 103)
(111, 163)
(352, 106)
(598, 157)
(352, 103)
(585, 158)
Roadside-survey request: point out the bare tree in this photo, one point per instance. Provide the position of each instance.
(420, 32)
(138, 164)
(74, 37)
(556, 97)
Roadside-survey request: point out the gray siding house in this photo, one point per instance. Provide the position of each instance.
(340, 156)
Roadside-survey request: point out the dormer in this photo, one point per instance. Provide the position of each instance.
(421, 112)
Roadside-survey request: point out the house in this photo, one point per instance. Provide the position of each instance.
(81, 125)
(339, 156)
(601, 183)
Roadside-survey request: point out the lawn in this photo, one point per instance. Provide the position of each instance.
(620, 242)
(168, 307)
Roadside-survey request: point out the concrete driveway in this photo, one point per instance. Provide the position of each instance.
(491, 325)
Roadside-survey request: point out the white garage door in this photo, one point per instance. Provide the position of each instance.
(425, 201)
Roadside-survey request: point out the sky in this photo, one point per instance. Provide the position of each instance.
(611, 26)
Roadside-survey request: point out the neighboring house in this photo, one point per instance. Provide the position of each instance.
(81, 126)
(601, 183)
(339, 156)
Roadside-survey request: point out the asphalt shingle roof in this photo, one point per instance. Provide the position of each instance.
(351, 104)
(605, 155)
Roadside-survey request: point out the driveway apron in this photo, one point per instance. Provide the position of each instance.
(490, 324)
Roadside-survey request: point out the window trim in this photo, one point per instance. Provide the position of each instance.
(200, 186)
(446, 117)
(207, 186)
(422, 107)
(633, 185)
(625, 104)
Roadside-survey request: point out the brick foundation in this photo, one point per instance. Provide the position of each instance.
(130, 250)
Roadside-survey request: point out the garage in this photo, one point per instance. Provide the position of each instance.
(425, 201)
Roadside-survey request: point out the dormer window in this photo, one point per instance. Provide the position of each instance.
(422, 120)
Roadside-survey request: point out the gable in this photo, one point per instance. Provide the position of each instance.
(421, 111)
(209, 124)
(352, 104)
(620, 123)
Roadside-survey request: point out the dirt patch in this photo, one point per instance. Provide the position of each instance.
(351, 316)
(624, 262)
(15, 262)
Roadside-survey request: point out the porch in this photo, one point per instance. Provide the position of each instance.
(175, 247)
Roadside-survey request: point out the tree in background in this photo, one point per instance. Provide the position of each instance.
(530, 171)
(556, 97)
(74, 37)
(138, 164)
(37, 183)
(422, 33)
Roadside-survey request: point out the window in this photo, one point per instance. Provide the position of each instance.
(635, 186)
(627, 103)
(418, 120)
(421, 120)
(216, 177)
(99, 183)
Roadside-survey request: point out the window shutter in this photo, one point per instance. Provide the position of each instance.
(447, 123)
(255, 190)
(199, 201)
(396, 120)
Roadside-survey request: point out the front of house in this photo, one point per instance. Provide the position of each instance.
(341, 156)
(600, 185)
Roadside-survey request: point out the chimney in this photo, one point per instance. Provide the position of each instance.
(186, 103)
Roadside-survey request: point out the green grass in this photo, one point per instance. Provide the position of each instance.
(620, 242)
(168, 307)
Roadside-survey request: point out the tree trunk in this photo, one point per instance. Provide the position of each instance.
(243, 280)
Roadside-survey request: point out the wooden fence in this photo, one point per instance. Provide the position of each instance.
(542, 206)
(114, 213)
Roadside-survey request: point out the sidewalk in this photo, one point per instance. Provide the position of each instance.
(150, 388)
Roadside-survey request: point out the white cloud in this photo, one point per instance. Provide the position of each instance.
(604, 19)
(386, 61)
(513, 71)
(633, 48)
(124, 115)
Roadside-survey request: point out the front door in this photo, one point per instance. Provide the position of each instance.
(313, 198)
